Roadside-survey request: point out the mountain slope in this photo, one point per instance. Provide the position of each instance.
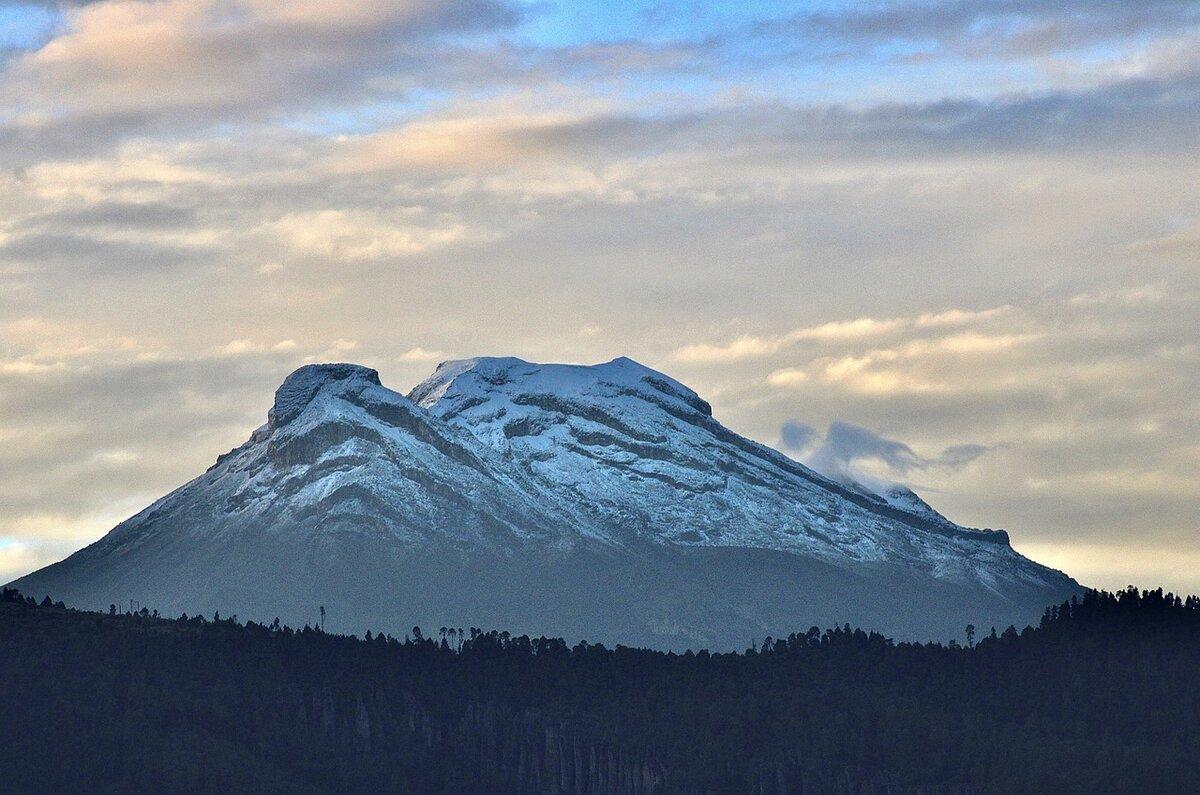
(642, 454)
(600, 502)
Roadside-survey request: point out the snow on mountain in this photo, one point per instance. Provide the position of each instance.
(600, 501)
(894, 495)
(643, 454)
(341, 452)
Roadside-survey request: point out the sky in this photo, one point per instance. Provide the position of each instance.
(948, 243)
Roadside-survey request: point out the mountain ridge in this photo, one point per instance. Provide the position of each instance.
(601, 501)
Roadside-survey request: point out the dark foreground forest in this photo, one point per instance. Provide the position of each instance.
(1104, 695)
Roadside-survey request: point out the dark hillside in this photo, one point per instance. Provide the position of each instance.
(1103, 696)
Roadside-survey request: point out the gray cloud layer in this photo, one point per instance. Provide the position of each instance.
(981, 28)
(847, 452)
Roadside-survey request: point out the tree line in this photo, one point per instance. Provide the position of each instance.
(1102, 695)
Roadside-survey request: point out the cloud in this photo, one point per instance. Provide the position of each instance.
(1102, 377)
(82, 252)
(796, 438)
(172, 64)
(851, 329)
(959, 455)
(1143, 114)
(846, 444)
(461, 143)
(1130, 296)
(788, 376)
(981, 28)
(854, 454)
(959, 317)
(918, 366)
(248, 347)
(353, 236)
(759, 347)
(240, 347)
(419, 354)
(1182, 246)
(26, 367)
(45, 3)
(129, 69)
(1101, 117)
(740, 348)
(142, 216)
(747, 347)
(969, 342)
(864, 375)
(1146, 113)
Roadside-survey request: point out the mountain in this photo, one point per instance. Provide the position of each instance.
(601, 502)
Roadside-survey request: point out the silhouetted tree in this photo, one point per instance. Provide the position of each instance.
(1101, 696)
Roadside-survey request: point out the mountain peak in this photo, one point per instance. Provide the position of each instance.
(299, 388)
(600, 501)
(483, 376)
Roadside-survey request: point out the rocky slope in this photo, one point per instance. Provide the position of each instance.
(600, 502)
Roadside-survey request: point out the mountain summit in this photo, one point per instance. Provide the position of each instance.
(601, 502)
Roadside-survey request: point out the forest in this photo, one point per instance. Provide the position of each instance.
(1102, 695)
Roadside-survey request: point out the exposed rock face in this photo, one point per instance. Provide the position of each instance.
(600, 502)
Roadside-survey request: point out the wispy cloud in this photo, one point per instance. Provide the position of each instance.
(958, 317)
(357, 236)
(206, 60)
(749, 347)
(983, 28)
(419, 354)
(853, 454)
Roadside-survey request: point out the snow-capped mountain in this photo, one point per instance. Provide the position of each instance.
(601, 502)
(642, 455)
